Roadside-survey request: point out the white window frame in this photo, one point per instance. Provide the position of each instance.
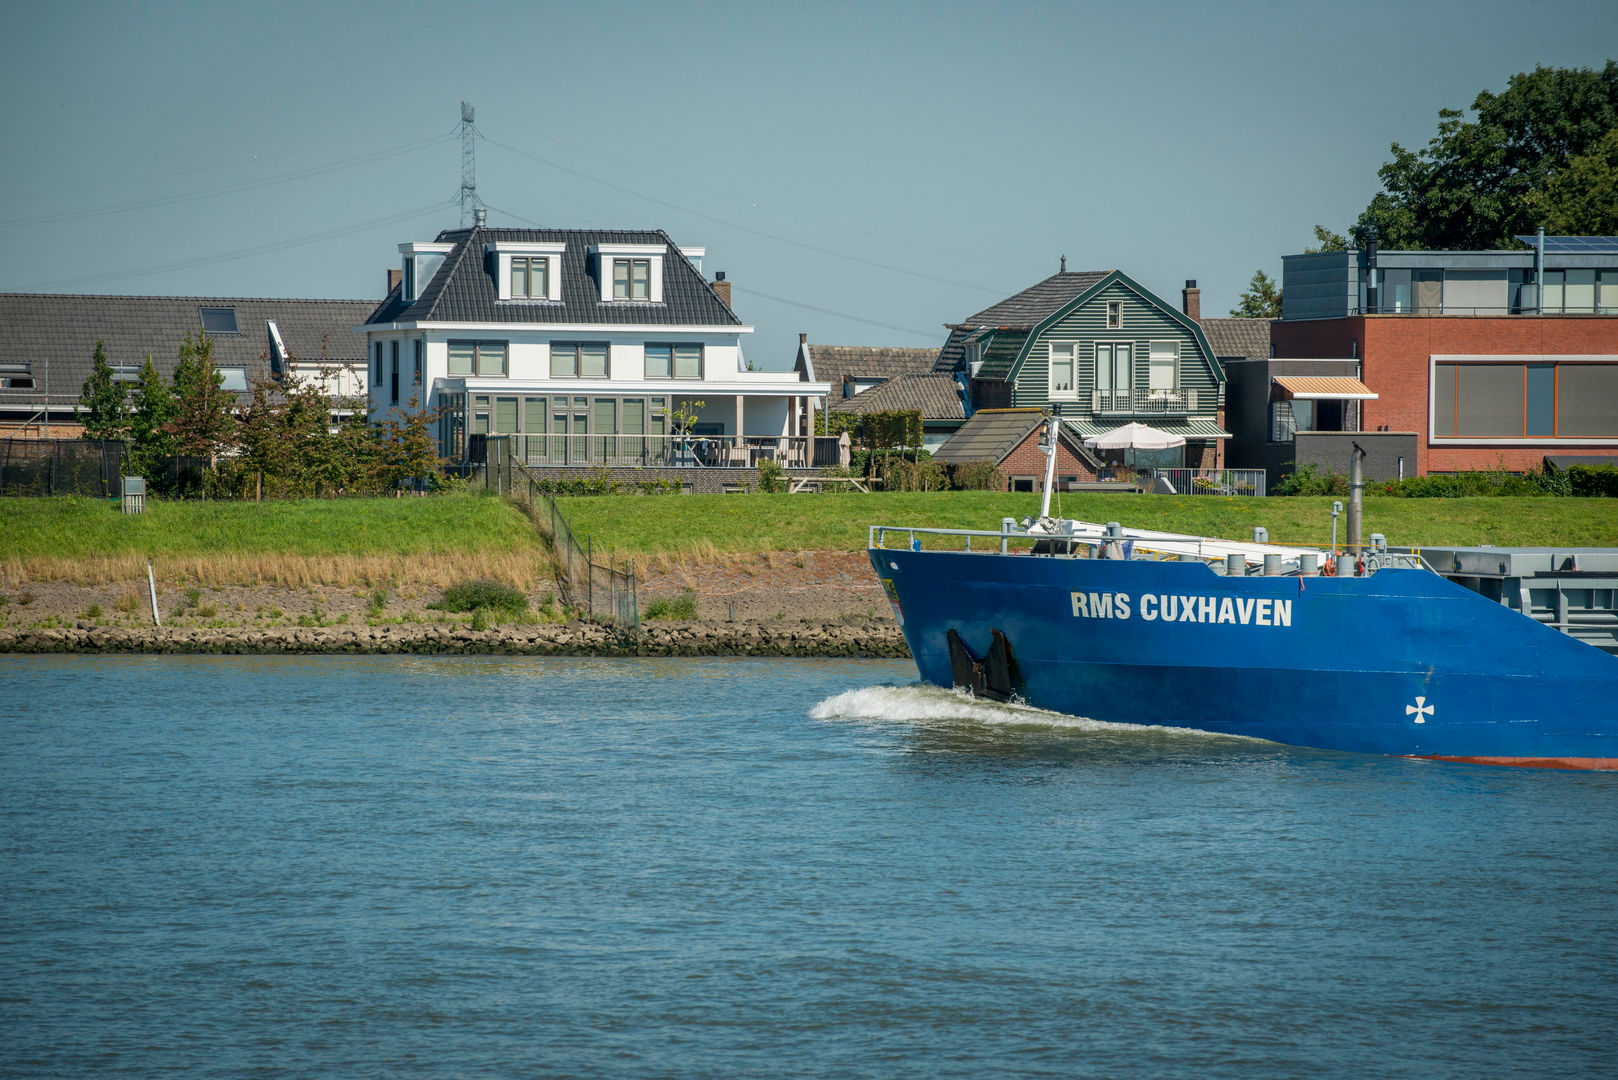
(607, 256)
(1096, 362)
(411, 263)
(1152, 359)
(505, 250)
(1073, 371)
(1115, 314)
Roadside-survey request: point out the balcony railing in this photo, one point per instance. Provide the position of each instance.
(1177, 402)
(1213, 481)
(672, 451)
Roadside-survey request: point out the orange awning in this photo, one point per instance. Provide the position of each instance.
(1324, 388)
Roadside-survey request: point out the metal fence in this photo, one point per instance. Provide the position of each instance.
(597, 587)
(667, 451)
(1211, 481)
(60, 467)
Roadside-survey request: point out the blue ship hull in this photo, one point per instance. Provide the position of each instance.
(1397, 662)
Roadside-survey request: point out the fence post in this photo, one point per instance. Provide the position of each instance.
(590, 575)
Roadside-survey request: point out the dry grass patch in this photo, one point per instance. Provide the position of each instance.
(288, 571)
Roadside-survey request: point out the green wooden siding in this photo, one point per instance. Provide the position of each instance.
(1143, 323)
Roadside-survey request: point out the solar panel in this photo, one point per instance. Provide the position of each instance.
(219, 320)
(1575, 245)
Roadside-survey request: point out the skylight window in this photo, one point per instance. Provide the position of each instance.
(219, 320)
(235, 379)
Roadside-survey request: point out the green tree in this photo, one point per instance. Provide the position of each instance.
(407, 449)
(151, 409)
(1582, 199)
(1262, 300)
(106, 409)
(1326, 240)
(203, 421)
(1523, 160)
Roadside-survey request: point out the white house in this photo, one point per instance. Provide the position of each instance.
(590, 346)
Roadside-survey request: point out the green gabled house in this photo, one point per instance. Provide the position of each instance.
(1104, 348)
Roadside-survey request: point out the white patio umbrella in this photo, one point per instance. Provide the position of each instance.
(1134, 437)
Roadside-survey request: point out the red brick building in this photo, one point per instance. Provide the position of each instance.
(1492, 359)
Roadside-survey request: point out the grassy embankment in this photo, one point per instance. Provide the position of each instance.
(699, 526)
(440, 541)
(294, 544)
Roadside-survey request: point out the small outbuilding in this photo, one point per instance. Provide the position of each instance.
(1010, 439)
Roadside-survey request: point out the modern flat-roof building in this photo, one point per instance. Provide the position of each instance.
(1482, 358)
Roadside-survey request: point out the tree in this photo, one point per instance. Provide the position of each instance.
(408, 449)
(150, 411)
(106, 411)
(1262, 300)
(1582, 199)
(1326, 240)
(202, 422)
(1523, 161)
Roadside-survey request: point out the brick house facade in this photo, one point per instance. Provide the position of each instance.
(1400, 354)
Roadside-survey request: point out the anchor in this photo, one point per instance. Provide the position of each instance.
(993, 676)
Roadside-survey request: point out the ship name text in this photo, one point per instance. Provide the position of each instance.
(1172, 607)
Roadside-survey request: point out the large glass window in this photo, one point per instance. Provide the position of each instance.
(583, 359)
(1064, 357)
(674, 361)
(477, 358)
(530, 277)
(631, 279)
(1587, 400)
(1165, 366)
(1113, 366)
(1541, 400)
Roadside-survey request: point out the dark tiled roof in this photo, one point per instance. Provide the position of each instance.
(835, 363)
(1022, 312)
(1035, 303)
(1246, 338)
(991, 434)
(464, 289)
(62, 330)
(936, 397)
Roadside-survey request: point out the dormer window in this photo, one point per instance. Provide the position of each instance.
(530, 277)
(631, 279)
(528, 271)
(630, 273)
(419, 262)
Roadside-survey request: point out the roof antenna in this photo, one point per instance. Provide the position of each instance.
(469, 166)
(1064, 264)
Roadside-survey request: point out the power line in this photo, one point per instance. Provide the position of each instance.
(776, 299)
(229, 189)
(835, 314)
(687, 183)
(740, 227)
(263, 249)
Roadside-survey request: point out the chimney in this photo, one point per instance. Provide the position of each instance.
(803, 339)
(722, 287)
(395, 277)
(478, 214)
(1191, 300)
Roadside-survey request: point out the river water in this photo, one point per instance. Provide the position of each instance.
(495, 867)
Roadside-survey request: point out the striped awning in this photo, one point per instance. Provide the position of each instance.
(1324, 388)
(1191, 430)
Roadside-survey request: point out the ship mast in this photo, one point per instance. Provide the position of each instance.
(1053, 426)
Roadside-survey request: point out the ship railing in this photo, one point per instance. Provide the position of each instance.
(988, 541)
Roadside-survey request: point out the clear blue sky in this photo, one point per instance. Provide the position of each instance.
(864, 172)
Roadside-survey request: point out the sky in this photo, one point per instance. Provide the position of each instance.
(863, 173)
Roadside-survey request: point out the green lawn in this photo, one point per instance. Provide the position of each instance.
(839, 521)
(466, 525)
(58, 528)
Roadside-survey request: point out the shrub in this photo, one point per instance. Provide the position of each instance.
(480, 594)
(379, 600)
(772, 476)
(1593, 481)
(127, 603)
(93, 612)
(1307, 480)
(480, 619)
(977, 476)
(683, 607)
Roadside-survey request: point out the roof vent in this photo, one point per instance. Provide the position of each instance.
(478, 214)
